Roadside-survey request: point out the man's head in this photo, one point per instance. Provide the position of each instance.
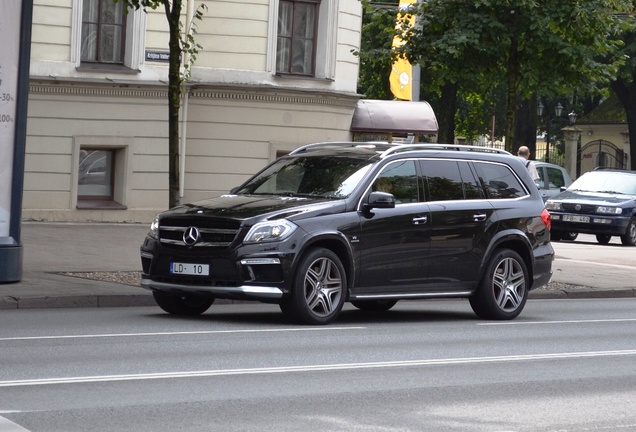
(524, 152)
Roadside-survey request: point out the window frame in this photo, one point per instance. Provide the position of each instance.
(100, 24)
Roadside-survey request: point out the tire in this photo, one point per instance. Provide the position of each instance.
(503, 290)
(182, 304)
(319, 289)
(603, 238)
(629, 238)
(555, 236)
(374, 305)
(570, 236)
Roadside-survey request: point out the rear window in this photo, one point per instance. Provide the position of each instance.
(499, 181)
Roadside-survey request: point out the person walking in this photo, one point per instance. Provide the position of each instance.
(524, 154)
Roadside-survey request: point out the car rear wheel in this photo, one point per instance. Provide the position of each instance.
(182, 304)
(318, 292)
(570, 236)
(374, 305)
(603, 238)
(503, 291)
(629, 238)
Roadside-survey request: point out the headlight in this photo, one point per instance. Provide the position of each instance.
(609, 210)
(553, 205)
(154, 227)
(270, 231)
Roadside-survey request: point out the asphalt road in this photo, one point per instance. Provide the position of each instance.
(563, 365)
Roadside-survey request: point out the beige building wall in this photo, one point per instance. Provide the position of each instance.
(237, 116)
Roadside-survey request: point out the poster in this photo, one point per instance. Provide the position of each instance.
(9, 60)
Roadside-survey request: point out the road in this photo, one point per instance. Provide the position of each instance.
(563, 365)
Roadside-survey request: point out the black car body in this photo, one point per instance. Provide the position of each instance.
(600, 202)
(366, 223)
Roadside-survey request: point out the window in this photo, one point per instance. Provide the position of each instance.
(499, 181)
(399, 179)
(296, 41)
(103, 32)
(95, 175)
(444, 180)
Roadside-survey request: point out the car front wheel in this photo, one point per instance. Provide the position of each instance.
(629, 238)
(603, 238)
(182, 304)
(319, 288)
(503, 290)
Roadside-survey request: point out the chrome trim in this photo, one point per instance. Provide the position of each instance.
(203, 230)
(257, 261)
(257, 292)
(198, 244)
(414, 295)
(147, 255)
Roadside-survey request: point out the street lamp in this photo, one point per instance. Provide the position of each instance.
(558, 110)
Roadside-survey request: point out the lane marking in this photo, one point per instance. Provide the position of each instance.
(8, 426)
(113, 335)
(596, 263)
(612, 320)
(314, 368)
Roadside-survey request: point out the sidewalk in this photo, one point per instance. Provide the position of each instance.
(106, 256)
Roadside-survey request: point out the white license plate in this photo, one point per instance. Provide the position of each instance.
(576, 218)
(190, 269)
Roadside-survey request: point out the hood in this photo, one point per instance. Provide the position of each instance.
(243, 207)
(595, 198)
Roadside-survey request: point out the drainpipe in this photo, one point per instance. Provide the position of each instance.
(184, 109)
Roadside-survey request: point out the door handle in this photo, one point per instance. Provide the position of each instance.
(479, 217)
(420, 220)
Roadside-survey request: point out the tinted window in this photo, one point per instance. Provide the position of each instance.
(399, 179)
(499, 181)
(555, 178)
(472, 189)
(444, 180)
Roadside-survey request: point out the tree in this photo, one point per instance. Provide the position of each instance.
(183, 51)
(546, 47)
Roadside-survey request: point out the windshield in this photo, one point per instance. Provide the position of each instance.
(606, 182)
(309, 176)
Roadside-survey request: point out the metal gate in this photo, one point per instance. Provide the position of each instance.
(600, 153)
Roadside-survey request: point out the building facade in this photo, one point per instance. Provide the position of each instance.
(271, 75)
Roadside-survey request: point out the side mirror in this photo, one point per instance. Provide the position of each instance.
(380, 200)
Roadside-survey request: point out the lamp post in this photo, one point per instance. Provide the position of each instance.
(558, 110)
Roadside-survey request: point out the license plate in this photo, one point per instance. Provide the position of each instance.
(190, 269)
(576, 218)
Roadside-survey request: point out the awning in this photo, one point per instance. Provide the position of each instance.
(381, 116)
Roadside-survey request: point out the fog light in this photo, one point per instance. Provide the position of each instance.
(602, 221)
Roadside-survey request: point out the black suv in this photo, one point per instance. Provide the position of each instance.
(367, 223)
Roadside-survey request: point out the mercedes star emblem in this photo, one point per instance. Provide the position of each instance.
(191, 236)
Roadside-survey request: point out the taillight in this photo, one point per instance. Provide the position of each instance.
(547, 219)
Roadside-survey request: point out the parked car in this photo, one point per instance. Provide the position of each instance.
(367, 223)
(553, 179)
(600, 202)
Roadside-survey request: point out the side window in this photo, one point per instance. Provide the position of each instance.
(296, 41)
(499, 181)
(472, 188)
(443, 179)
(103, 32)
(555, 178)
(400, 179)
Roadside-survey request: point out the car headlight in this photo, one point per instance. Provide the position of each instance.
(270, 231)
(553, 205)
(154, 227)
(609, 210)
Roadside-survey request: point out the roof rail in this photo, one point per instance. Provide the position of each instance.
(435, 146)
(327, 145)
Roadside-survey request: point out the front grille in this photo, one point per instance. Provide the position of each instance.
(584, 208)
(215, 234)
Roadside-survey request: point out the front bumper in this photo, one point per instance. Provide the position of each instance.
(234, 292)
(598, 224)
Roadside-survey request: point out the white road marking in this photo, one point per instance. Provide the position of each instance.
(315, 368)
(113, 335)
(596, 263)
(596, 321)
(9, 426)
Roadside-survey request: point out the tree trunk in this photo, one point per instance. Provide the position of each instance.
(626, 93)
(512, 82)
(526, 128)
(447, 110)
(174, 101)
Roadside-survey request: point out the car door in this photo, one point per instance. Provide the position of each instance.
(394, 242)
(460, 221)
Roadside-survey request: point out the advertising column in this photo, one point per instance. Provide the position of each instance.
(15, 40)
